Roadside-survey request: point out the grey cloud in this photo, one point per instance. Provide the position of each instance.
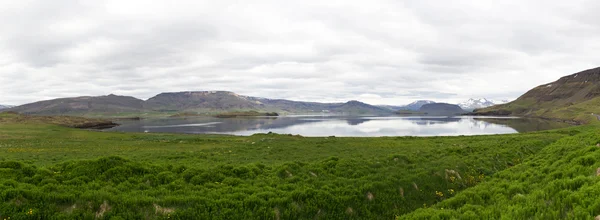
(382, 52)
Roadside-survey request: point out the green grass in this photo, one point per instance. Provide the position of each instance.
(559, 182)
(53, 172)
(68, 121)
(579, 112)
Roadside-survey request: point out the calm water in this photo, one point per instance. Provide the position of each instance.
(341, 126)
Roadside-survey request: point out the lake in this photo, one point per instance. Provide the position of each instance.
(342, 126)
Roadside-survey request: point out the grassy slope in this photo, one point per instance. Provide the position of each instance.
(559, 182)
(579, 112)
(55, 172)
(561, 109)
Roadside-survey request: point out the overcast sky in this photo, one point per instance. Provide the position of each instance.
(379, 52)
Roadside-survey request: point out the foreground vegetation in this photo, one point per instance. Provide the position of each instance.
(562, 181)
(53, 172)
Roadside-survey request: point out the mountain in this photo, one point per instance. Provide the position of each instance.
(574, 97)
(414, 106)
(5, 106)
(112, 104)
(190, 102)
(441, 109)
(473, 104)
(204, 101)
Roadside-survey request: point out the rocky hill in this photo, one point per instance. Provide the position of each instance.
(5, 106)
(573, 97)
(441, 109)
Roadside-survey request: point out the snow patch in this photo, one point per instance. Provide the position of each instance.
(480, 103)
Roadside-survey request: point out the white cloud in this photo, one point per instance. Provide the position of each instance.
(381, 52)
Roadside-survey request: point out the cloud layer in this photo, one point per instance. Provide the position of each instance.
(380, 52)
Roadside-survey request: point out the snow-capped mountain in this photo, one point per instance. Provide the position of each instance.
(472, 104)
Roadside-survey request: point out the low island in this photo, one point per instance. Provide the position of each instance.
(245, 114)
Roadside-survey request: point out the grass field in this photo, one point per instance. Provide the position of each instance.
(53, 172)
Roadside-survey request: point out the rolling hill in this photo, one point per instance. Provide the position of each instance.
(573, 97)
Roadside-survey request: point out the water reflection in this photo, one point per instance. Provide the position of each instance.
(342, 126)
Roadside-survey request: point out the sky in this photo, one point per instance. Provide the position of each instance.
(377, 51)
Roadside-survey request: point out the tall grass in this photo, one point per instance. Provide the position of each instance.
(559, 182)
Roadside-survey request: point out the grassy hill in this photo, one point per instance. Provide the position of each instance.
(573, 97)
(53, 172)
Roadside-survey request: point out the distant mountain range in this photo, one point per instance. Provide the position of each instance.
(468, 105)
(573, 97)
(194, 102)
(414, 106)
(473, 104)
(5, 106)
(208, 102)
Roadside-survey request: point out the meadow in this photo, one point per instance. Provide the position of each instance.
(54, 172)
